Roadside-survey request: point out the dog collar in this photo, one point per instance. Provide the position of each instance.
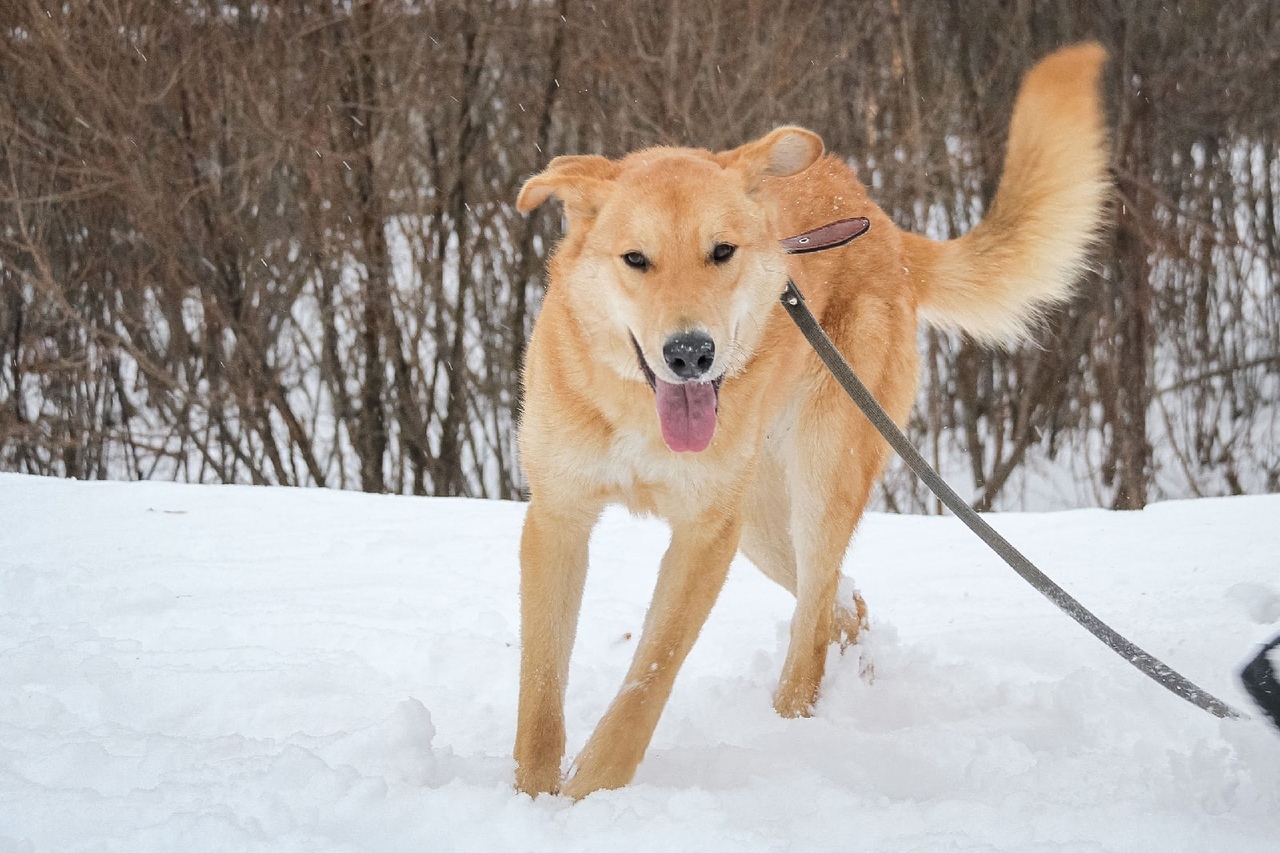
(828, 236)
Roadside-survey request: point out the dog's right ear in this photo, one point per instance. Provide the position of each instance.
(580, 181)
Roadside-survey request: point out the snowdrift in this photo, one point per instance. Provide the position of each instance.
(246, 669)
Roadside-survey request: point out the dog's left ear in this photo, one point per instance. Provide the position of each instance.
(783, 152)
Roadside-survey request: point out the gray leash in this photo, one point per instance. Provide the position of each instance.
(793, 302)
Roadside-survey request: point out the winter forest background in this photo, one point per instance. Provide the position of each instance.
(275, 243)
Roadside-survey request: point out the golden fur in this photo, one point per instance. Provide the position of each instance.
(792, 462)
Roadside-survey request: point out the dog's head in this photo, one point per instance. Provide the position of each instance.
(674, 264)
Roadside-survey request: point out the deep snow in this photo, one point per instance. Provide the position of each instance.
(189, 668)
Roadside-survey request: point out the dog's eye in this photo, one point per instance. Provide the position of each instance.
(722, 252)
(636, 261)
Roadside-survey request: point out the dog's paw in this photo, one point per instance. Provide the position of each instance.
(585, 780)
(847, 626)
(849, 616)
(792, 700)
(576, 787)
(537, 780)
(860, 654)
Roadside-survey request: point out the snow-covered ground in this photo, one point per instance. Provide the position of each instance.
(200, 668)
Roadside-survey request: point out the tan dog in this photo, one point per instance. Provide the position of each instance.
(664, 375)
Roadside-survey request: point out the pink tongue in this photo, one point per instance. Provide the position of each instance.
(688, 414)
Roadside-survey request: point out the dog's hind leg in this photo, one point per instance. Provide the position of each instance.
(692, 573)
(553, 571)
(828, 494)
(766, 530)
(767, 543)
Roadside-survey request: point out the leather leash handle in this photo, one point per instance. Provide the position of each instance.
(793, 302)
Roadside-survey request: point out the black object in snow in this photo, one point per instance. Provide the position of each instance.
(1261, 681)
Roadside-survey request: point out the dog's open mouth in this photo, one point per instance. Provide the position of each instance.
(687, 411)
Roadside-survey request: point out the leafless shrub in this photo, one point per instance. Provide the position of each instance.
(274, 242)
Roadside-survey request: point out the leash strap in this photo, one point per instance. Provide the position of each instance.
(793, 302)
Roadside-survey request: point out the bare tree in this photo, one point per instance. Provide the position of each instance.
(274, 243)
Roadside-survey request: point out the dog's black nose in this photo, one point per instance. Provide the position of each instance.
(689, 354)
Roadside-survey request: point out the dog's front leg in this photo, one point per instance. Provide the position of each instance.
(692, 573)
(553, 571)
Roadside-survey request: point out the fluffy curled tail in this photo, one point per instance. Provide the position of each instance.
(1027, 252)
